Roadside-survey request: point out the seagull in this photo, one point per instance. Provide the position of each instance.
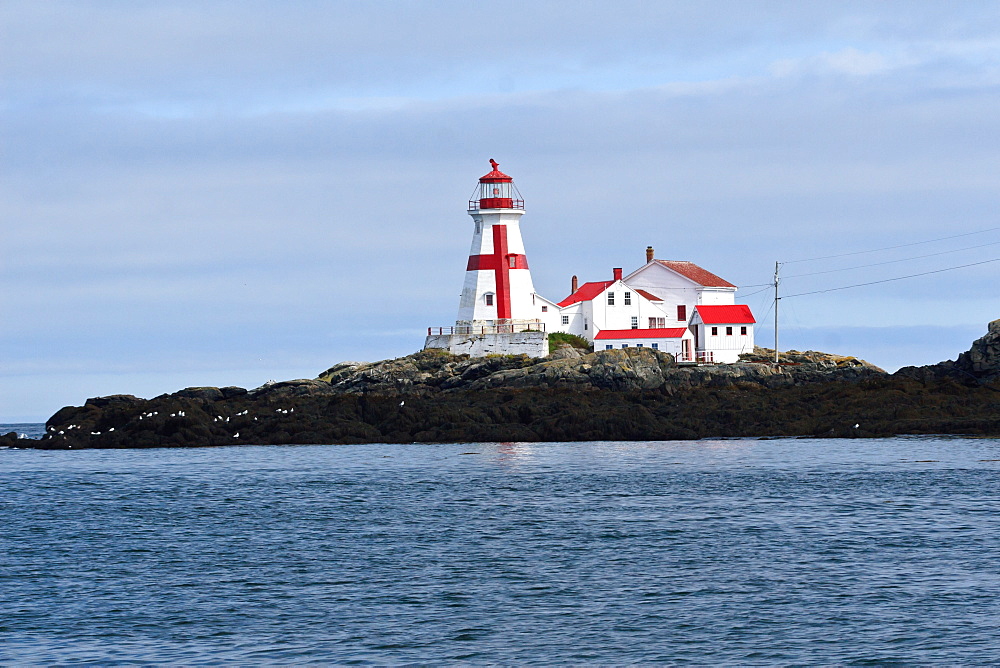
(402, 402)
(236, 435)
(856, 426)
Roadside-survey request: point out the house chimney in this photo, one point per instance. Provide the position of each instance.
(618, 273)
(575, 284)
(649, 254)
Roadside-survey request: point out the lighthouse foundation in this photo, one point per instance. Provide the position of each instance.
(532, 344)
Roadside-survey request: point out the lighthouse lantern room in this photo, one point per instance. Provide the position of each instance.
(496, 191)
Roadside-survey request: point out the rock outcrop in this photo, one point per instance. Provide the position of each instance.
(980, 363)
(632, 393)
(623, 370)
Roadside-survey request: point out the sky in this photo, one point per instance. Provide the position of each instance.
(226, 193)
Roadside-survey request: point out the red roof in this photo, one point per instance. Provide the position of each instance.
(586, 292)
(737, 314)
(496, 176)
(697, 274)
(668, 333)
(650, 297)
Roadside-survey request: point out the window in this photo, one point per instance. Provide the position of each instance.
(628, 299)
(657, 323)
(565, 320)
(479, 226)
(489, 298)
(682, 312)
(743, 331)
(545, 309)
(608, 346)
(611, 299)
(638, 345)
(584, 323)
(729, 331)
(715, 331)
(624, 345)
(635, 322)
(512, 261)
(655, 346)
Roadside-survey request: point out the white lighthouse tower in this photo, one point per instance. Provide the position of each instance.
(499, 311)
(498, 291)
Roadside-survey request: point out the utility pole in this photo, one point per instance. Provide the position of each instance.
(776, 298)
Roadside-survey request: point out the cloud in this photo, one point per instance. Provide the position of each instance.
(849, 61)
(198, 181)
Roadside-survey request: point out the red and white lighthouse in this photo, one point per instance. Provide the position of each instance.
(498, 293)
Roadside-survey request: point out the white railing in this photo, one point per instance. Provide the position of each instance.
(699, 357)
(496, 328)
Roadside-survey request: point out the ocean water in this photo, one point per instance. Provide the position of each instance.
(732, 551)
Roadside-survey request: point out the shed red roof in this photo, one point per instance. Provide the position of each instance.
(697, 274)
(586, 292)
(736, 314)
(668, 333)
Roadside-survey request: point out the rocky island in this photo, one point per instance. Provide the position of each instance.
(571, 395)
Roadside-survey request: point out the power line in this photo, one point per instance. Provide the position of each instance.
(887, 280)
(875, 250)
(758, 292)
(905, 259)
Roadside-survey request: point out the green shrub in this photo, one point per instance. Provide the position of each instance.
(556, 339)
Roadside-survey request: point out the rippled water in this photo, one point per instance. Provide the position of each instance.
(738, 551)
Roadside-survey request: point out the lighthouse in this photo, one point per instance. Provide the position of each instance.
(498, 312)
(498, 292)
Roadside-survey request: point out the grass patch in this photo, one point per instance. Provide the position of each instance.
(556, 339)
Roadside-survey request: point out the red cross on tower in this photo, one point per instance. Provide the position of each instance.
(501, 262)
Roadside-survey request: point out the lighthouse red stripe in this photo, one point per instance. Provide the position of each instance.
(502, 271)
(489, 262)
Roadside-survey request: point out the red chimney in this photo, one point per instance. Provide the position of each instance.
(576, 285)
(649, 254)
(618, 273)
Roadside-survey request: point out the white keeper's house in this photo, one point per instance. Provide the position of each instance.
(669, 305)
